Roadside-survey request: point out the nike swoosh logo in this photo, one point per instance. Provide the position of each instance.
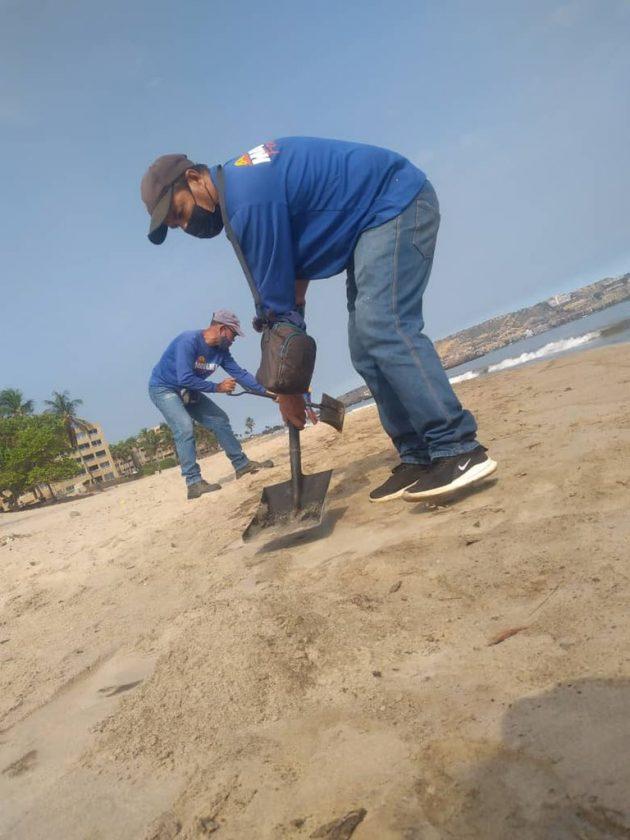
(462, 467)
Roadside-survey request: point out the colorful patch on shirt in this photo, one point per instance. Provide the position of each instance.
(203, 368)
(259, 154)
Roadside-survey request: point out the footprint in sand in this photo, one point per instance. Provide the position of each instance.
(22, 765)
(111, 690)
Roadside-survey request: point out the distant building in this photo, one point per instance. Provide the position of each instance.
(558, 300)
(93, 455)
(164, 451)
(127, 466)
(613, 284)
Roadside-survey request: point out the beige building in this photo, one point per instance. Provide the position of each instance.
(93, 455)
(126, 466)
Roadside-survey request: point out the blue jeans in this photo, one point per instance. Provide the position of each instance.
(386, 281)
(180, 419)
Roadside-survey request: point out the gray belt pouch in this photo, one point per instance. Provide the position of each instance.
(287, 359)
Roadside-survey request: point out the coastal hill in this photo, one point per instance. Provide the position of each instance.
(497, 332)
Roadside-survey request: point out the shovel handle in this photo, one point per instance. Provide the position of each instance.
(295, 455)
(252, 394)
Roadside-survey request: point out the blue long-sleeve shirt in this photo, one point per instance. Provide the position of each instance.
(299, 204)
(188, 361)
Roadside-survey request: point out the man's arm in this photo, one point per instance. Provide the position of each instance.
(264, 233)
(301, 287)
(242, 376)
(185, 368)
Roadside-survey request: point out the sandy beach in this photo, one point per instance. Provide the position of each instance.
(458, 670)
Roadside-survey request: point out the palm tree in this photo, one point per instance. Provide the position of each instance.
(66, 408)
(123, 451)
(12, 403)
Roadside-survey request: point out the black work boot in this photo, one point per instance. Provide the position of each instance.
(253, 466)
(200, 487)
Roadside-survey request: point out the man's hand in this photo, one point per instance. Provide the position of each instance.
(312, 416)
(293, 409)
(300, 292)
(227, 386)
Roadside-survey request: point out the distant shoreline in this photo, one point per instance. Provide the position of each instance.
(503, 330)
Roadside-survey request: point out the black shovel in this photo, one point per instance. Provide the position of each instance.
(294, 505)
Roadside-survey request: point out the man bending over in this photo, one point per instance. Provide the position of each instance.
(179, 387)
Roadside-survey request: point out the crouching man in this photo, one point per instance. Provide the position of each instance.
(179, 387)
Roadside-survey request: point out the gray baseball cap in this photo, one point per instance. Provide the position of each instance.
(224, 316)
(156, 190)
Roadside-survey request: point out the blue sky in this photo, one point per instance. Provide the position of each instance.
(519, 112)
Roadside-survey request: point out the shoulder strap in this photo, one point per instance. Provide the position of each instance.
(235, 243)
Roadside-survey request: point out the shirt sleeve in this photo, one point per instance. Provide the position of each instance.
(264, 233)
(185, 367)
(242, 376)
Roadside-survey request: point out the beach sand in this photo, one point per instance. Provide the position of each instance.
(159, 679)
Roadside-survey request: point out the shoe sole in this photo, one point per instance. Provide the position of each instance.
(249, 472)
(398, 494)
(255, 470)
(192, 498)
(476, 473)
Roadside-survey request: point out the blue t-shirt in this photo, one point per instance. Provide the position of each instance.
(299, 204)
(188, 361)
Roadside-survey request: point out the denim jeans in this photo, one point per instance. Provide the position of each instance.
(386, 281)
(180, 419)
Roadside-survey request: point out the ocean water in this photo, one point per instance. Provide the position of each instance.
(608, 326)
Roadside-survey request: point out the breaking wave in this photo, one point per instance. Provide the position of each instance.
(548, 350)
(561, 346)
(470, 374)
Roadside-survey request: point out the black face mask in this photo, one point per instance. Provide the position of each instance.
(203, 224)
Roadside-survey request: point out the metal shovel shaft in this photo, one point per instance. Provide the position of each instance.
(295, 455)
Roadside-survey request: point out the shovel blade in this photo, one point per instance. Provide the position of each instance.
(332, 412)
(277, 513)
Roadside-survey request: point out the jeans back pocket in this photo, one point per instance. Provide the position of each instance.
(427, 222)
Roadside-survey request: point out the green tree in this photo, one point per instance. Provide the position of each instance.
(33, 450)
(13, 404)
(126, 450)
(205, 439)
(63, 406)
(249, 425)
(149, 442)
(166, 437)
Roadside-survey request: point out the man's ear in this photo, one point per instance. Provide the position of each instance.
(193, 176)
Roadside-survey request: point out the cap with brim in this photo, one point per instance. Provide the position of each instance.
(157, 191)
(157, 226)
(229, 319)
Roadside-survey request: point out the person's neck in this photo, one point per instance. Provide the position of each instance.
(214, 193)
(209, 337)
